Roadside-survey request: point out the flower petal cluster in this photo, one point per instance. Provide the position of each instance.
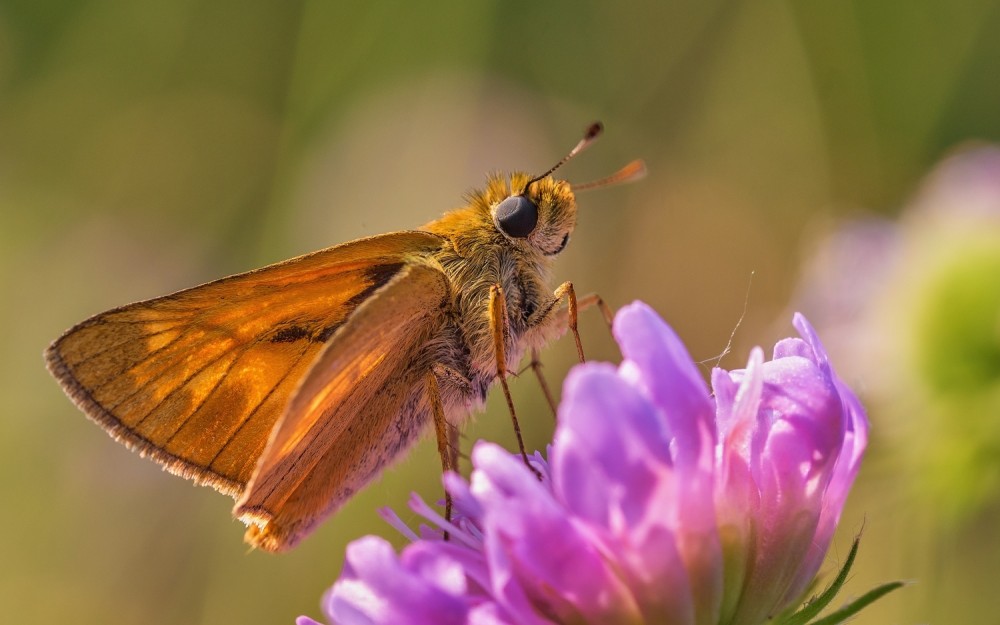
(660, 501)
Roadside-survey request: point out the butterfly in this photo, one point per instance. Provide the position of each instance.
(292, 386)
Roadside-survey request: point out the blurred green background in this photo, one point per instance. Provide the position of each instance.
(150, 146)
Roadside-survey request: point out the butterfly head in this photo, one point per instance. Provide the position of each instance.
(536, 214)
(541, 216)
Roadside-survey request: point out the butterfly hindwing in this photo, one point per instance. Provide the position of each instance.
(360, 406)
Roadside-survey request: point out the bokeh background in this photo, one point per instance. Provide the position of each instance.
(150, 146)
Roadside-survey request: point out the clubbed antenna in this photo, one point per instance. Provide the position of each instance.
(593, 131)
(629, 173)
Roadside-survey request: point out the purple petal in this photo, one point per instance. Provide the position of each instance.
(489, 614)
(389, 516)
(419, 588)
(658, 363)
(848, 462)
(801, 449)
(820, 356)
(531, 538)
(609, 449)
(615, 474)
(800, 431)
(737, 496)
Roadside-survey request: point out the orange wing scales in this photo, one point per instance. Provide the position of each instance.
(196, 380)
(250, 379)
(247, 441)
(346, 420)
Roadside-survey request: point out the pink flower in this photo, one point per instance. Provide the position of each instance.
(659, 503)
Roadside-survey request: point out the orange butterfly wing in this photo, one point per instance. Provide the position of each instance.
(196, 380)
(362, 404)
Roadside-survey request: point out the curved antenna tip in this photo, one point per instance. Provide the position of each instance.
(635, 170)
(593, 131)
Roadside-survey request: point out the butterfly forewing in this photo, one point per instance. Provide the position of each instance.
(197, 379)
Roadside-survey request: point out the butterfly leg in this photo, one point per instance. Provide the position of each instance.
(499, 330)
(550, 316)
(536, 367)
(593, 299)
(569, 314)
(451, 377)
(566, 290)
(449, 458)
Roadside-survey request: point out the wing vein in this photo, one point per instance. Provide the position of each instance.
(201, 402)
(130, 339)
(171, 392)
(257, 407)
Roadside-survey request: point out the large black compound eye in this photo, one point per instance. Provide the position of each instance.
(517, 216)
